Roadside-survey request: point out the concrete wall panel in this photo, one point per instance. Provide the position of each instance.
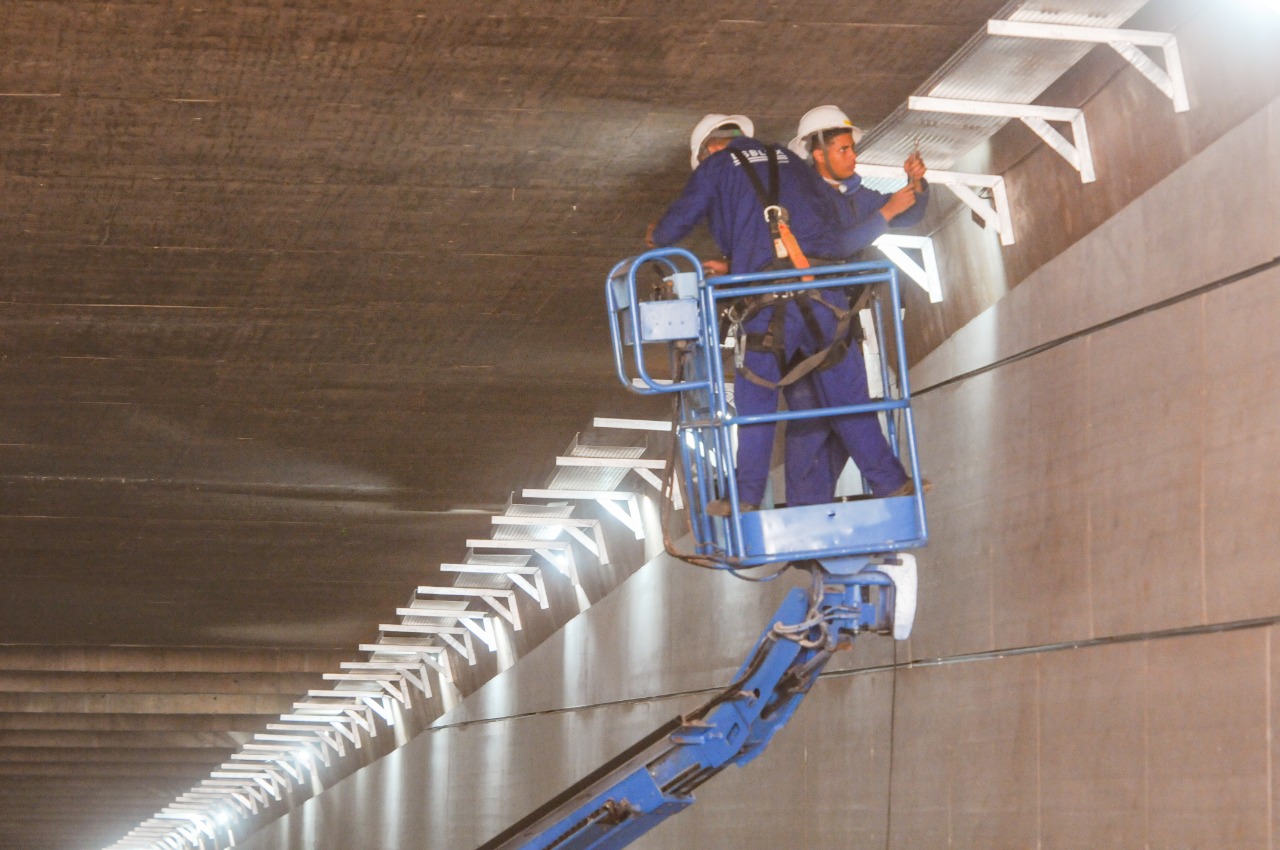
(1207, 731)
(1143, 486)
(1093, 778)
(965, 756)
(1242, 407)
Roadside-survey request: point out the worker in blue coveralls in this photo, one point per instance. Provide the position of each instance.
(815, 450)
(731, 201)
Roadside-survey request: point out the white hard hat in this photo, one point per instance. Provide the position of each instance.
(815, 121)
(708, 125)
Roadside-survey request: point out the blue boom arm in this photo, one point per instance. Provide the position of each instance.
(655, 778)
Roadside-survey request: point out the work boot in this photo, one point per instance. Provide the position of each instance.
(909, 489)
(720, 507)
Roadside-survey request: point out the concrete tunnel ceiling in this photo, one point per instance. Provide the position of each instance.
(287, 289)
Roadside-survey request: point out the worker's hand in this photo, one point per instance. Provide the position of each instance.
(648, 235)
(898, 203)
(712, 268)
(914, 168)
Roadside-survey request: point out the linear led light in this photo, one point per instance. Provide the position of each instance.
(632, 424)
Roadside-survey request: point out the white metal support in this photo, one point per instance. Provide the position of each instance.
(513, 573)
(409, 673)
(347, 732)
(221, 795)
(246, 801)
(241, 779)
(248, 797)
(303, 765)
(608, 499)
(464, 647)
(478, 623)
(595, 543)
(435, 657)
(398, 689)
(349, 696)
(308, 742)
(334, 724)
(392, 681)
(558, 553)
(925, 272)
(323, 731)
(995, 213)
(389, 681)
(268, 782)
(1169, 79)
(643, 467)
(281, 749)
(1076, 152)
(449, 634)
(482, 627)
(192, 814)
(380, 704)
(266, 772)
(269, 786)
(631, 518)
(256, 759)
(501, 601)
(363, 718)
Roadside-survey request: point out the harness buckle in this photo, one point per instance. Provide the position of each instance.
(775, 213)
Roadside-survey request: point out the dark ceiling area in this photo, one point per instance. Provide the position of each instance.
(291, 293)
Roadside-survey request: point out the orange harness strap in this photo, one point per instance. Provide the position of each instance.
(794, 254)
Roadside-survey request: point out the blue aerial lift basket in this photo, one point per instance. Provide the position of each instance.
(683, 317)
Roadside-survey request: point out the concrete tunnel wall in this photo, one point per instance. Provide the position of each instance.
(1096, 637)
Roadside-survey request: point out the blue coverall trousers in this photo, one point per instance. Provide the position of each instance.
(845, 383)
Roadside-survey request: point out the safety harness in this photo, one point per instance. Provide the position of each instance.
(786, 250)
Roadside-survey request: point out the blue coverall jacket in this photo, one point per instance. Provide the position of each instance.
(719, 193)
(815, 452)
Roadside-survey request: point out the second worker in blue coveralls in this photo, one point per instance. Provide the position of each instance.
(815, 453)
(721, 193)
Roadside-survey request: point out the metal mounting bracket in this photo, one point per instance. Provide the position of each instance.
(514, 573)
(607, 499)
(1076, 152)
(925, 272)
(994, 213)
(1168, 79)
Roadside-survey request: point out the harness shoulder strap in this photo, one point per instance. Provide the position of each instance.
(767, 197)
